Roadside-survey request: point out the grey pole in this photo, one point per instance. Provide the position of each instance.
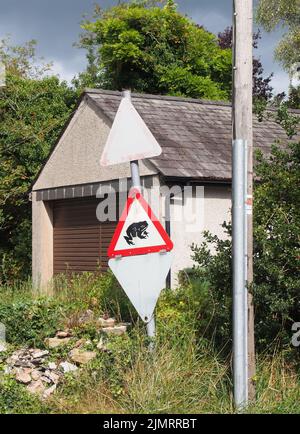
(242, 129)
(135, 174)
(245, 149)
(136, 182)
(238, 257)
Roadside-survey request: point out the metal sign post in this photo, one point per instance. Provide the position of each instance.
(136, 183)
(140, 251)
(240, 359)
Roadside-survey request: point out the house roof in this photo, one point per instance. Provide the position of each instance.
(195, 135)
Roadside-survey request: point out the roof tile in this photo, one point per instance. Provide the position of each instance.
(195, 135)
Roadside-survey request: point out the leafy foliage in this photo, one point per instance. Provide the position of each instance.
(29, 321)
(33, 110)
(21, 61)
(142, 46)
(14, 399)
(87, 290)
(183, 375)
(277, 241)
(281, 113)
(270, 14)
(289, 121)
(294, 97)
(262, 89)
(276, 253)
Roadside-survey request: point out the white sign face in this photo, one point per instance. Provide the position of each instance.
(138, 231)
(129, 138)
(142, 277)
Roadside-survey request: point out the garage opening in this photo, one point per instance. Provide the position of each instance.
(80, 241)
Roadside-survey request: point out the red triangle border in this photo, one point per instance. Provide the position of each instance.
(135, 194)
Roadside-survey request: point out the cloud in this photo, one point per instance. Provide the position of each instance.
(214, 15)
(67, 71)
(55, 25)
(280, 82)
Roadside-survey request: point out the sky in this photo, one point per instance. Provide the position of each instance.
(55, 24)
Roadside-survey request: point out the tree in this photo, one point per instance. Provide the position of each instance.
(294, 97)
(276, 253)
(142, 46)
(262, 89)
(33, 109)
(272, 13)
(21, 61)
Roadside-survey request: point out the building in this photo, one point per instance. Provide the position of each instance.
(195, 136)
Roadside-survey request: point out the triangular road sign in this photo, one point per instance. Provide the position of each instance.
(142, 277)
(129, 138)
(138, 232)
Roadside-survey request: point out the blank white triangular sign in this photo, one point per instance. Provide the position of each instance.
(129, 138)
(143, 277)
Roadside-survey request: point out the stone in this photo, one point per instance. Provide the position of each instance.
(117, 330)
(36, 387)
(80, 343)
(52, 366)
(3, 347)
(127, 324)
(109, 322)
(37, 362)
(56, 342)
(23, 376)
(12, 360)
(87, 316)
(37, 354)
(63, 334)
(48, 392)
(23, 364)
(52, 376)
(36, 375)
(67, 367)
(25, 358)
(46, 379)
(82, 357)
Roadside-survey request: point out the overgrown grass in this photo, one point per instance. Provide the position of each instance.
(185, 373)
(169, 382)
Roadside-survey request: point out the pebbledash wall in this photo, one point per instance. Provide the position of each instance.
(73, 171)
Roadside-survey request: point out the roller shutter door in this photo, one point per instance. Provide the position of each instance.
(80, 241)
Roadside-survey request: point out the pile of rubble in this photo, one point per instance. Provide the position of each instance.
(31, 366)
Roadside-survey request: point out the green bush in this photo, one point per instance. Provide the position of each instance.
(99, 291)
(14, 399)
(182, 314)
(31, 317)
(114, 300)
(276, 254)
(34, 107)
(29, 322)
(183, 375)
(142, 46)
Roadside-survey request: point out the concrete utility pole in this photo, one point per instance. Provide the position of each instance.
(243, 333)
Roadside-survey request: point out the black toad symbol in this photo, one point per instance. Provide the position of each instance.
(136, 230)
